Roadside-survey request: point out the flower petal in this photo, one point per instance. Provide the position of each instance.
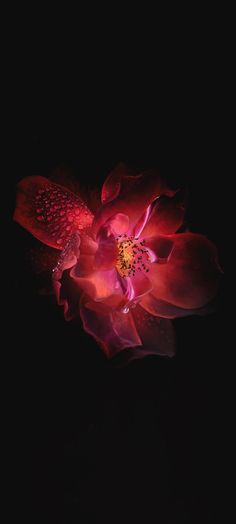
(135, 287)
(190, 278)
(118, 223)
(49, 211)
(106, 255)
(160, 308)
(65, 290)
(161, 246)
(112, 185)
(166, 217)
(139, 227)
(99, 285)
(157, 334)
(133, 194)
(87, 245)
(114, 331)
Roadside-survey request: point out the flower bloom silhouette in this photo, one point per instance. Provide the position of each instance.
(125, 270)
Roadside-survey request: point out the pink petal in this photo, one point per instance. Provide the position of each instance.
(114, 331)
(157, 334)
(160, 308)
(99, 285)
(139, 227)
(84, 266)
(135, 287)
(49, 211)
(106, 255)
(132, 195)
(166, 218)
(190, 278)
(118, 224)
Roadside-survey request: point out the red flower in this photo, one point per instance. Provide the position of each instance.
(125, 271)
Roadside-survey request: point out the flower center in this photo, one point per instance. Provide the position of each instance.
(132, 256)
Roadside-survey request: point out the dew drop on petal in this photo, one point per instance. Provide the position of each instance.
(125, 309)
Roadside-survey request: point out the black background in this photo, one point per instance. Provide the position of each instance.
(94, 443)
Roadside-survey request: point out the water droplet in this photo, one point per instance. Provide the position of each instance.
(59, 241)
(41, 218)
(125, 309)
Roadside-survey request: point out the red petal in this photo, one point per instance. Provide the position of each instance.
(157, 334)
(99, 285)
(190, 278)
(87, 245)
(112, 185)
(65, 290)
(161, 246)
(49, 211)
(131, 196)
(114, 331)
(166, 218)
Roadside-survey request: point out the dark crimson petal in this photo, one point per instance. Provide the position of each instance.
(65, 290)
(133, 194)
(160, 308)
(190, 278)
(161, 246)
(49, 211)
(42, 258)
(157, 334)
(66, 178)
(166, 218)
(112, 185)
(114, 331)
